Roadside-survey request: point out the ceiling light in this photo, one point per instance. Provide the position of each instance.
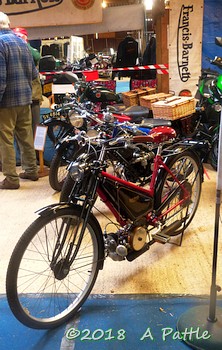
(148, 4)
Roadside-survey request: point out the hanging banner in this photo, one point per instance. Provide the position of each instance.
(38, 13)
(114, 19)
(185, 44)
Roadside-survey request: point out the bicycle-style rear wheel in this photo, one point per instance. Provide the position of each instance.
(214, 153)
(43, 291)
(187, 168)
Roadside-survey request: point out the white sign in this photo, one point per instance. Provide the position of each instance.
(185, 44)
(40, 137)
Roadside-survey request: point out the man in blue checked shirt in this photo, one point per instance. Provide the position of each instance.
(17, 70)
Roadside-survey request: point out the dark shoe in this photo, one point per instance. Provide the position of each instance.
(7, 185)
(27, 176)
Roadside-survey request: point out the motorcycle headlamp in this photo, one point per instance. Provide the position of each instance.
(76, 119)
(108, 117)
(93, 133)
(217, 107)
(76, 172)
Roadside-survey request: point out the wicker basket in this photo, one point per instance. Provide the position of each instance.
(174, 107)
(147, 89)
(147, 101)
(131, 98)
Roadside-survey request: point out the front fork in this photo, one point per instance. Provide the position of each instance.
(87, 206)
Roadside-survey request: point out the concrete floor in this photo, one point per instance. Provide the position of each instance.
(164, 269)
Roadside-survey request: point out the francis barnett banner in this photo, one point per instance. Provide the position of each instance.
(185, 44)
(37, 13)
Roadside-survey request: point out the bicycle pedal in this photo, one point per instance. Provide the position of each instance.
(161, 238)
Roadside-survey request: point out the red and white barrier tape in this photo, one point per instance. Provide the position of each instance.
(160, 68)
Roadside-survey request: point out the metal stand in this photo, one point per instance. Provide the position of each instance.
(201, 327)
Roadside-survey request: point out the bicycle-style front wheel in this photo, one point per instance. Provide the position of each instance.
(43, 289)
(60, 161)
(188, 170)
(56, 130)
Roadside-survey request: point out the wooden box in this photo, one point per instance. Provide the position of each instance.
(148, 100)
(132, 97)
(174, 107)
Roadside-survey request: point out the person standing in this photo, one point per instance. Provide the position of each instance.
(17, 71)
(36, 84)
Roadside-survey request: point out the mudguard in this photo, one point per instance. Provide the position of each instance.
(198, 148)
(52, 208)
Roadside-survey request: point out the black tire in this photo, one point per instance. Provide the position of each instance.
(188, 169)
(60, 161)
(56, 129)
(44, 296)
(213, 157)
(66, 189)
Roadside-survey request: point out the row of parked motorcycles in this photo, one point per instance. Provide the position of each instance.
(148, 176)
(96, 109)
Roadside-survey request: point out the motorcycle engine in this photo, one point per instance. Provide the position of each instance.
(119, 244)
(139, 163)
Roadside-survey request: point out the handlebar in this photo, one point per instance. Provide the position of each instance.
(217, 61)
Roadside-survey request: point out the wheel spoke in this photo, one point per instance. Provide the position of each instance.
(45, 290)
(186, 169)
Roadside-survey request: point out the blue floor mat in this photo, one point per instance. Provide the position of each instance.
(115, 322)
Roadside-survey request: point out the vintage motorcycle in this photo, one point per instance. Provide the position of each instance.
(65, 118)
(210, 103)
(61, 121)
(54, 265)
(108, 123)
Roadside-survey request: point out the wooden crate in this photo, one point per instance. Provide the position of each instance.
(131, 98)
(174, 107)
(148, 100)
